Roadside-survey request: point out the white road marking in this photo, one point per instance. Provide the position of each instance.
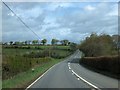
(41, 76)
(68, 65)
(80, 78)
(69, 68)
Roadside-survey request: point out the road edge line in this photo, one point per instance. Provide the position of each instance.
(40, 77)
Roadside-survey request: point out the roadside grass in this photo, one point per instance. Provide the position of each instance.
(22, 80)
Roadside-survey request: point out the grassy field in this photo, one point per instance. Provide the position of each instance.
(12, 51)
(18, 62)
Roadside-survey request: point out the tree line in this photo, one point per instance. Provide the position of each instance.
(39, 42)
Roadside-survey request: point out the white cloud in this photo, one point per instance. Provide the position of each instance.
(72, 21)
(30, 13)
(89, 8)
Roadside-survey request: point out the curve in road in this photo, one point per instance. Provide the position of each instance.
(70, 74)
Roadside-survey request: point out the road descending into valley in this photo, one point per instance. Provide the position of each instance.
(70, 74)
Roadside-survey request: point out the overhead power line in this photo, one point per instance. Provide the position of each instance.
(21, 20)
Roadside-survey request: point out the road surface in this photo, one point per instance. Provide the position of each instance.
(70, 74)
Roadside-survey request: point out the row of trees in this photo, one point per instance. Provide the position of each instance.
(38, 42)
(63, 42)
(28, 42)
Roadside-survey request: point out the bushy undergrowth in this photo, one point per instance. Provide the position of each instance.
(14, 64)
(103, 63)
(41, 47)
(58, 54)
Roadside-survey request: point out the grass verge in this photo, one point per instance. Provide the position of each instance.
(23, 79)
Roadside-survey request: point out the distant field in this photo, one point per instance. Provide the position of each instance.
(11, 51)
(62, 50)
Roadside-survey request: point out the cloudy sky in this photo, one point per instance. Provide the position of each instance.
(66, 20)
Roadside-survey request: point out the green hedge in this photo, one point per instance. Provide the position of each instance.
(103, 63)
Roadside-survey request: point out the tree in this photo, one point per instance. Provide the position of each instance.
(11, 42)
(35, 42)
(73, 46)
(97, 45)
(17, 43)
(29, 41)
(5, 43)
(44, 41)
(54, 41)
(64, 42)
(69, 43)
(25, 42)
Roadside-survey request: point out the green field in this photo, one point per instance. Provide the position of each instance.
(18, 62)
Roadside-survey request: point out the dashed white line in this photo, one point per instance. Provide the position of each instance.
(80, 78)
(69, 68)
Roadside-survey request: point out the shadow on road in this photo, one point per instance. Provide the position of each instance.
(75, 60)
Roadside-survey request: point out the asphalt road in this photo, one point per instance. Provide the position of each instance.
(69, 74)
